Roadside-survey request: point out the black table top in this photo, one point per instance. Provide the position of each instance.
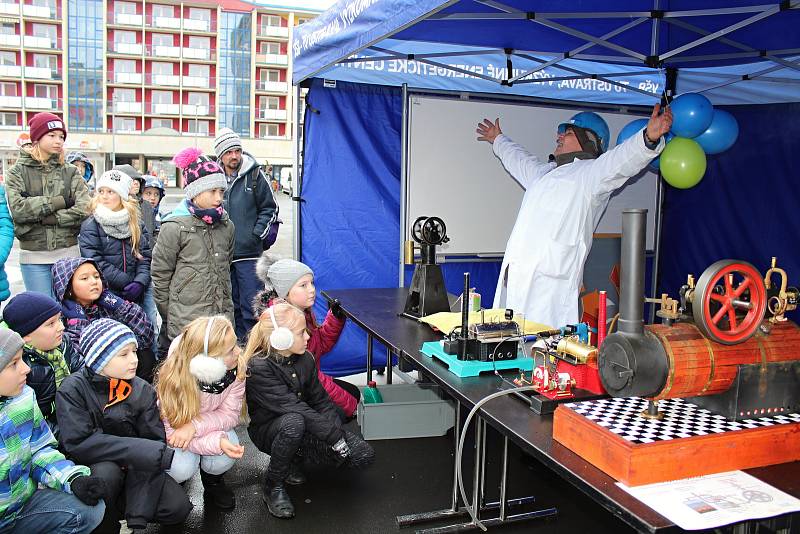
(376, 310)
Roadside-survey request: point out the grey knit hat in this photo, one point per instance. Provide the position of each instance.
(10, 343)
(226, 140)
(281, 274)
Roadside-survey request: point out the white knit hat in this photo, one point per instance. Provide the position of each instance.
(117, 181)
(226, 140)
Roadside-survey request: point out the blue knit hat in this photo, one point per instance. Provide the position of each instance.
(28, 311)
(102, 339)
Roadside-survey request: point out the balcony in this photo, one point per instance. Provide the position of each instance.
(125, 77)
(33, 41)
(41, 12)
(172, 80)
(9, 9)
(164, 51)
(196, 110)
(272, 114)
(126, 19)
(164, 109)
(10, 71)
(271, 87)
(280, 32)
(166, 22)
(198, 53)
(128, 48)
(9, 40)
(196, 81)
(35, 102)
(10, 101)
(42, 73)
(127, 107)
(197, 25)
(272, 59)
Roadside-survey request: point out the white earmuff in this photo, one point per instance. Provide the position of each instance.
(205, 368)
(281, 338)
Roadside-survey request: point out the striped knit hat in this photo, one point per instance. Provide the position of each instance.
(200, 173)
(102, 339)
(226, 140)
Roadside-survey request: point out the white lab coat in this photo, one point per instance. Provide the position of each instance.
(552, 236)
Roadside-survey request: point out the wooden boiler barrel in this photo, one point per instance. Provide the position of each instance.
(698, 366)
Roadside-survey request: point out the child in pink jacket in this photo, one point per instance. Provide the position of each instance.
(293, 282)
(200, 389)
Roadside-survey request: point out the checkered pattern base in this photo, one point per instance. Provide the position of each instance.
(681, 419)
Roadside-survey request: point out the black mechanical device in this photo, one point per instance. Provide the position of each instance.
(427, 293)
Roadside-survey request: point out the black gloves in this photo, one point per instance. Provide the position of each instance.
(336, 309)
(50, 220)
(341, 448)
(88, 489)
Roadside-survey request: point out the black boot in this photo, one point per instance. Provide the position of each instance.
(278, 501)
(296, 475)
(216, 492)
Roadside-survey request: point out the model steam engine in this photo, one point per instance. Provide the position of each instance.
(715, 348)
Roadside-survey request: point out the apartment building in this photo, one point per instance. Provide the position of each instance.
(138, 80)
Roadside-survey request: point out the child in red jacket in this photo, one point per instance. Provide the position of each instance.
(293, 282)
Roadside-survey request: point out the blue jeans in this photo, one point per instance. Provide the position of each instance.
(245, 285)
(185, 463)
(149, 307)
(56, 512)
(38, 277)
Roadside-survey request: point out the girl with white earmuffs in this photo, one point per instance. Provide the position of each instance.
(292, 418)
(200, 387)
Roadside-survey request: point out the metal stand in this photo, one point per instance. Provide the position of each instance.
(478, 482)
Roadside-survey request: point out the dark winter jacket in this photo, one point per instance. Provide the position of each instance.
(36, 190)
(291, 386)
(252, 208)
(129, 314)
(97, 426)
(42, 378)
(191, 269)
(115, 256)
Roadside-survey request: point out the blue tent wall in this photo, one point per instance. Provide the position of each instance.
(746, 205)
(350, 228)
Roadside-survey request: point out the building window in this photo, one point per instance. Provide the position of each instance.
(163, 39)
(45, 91)
(163, 11)
(124, 65)
(125, 95)
(196, 13)
(267, 47)
(269, 130)
(44, 3)
(200, 71)
(9, 119)
(269, 102)
(121, 36)
(124, 8)
(198, 127)
(44, 30)
(8, 89)
(8, 28)
(124, 124)
(161, 123)
(201, 43)
(165, 69)
(86, 35)
(45, 61)
(8, 58)
(270, 75)
(197, 99)
(161, 97)
(273, 21)
(234, 56)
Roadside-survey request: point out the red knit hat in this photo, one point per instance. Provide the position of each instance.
(43, 123)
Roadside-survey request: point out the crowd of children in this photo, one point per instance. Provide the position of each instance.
(121, 373)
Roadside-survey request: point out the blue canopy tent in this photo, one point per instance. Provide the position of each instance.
(743, 55)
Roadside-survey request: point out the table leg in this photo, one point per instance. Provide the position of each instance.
(369, 358)
(388, 365)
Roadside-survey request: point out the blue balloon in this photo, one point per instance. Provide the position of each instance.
(721, 134)
(691, 115)
(654, 165)
(630, 129)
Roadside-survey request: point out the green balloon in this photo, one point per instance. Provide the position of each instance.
(683, 163)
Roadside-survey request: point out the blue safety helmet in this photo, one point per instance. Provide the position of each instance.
(152, 181)
(590, 121)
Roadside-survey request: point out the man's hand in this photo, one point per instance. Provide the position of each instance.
(658, 125)
(231, 450)
(182, 436)
(488, 131)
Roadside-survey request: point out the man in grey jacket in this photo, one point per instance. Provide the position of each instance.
(252, 208)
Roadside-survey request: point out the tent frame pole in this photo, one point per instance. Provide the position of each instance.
(297, 185)
(403, 185)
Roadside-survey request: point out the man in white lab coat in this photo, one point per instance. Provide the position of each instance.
(564, 199)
